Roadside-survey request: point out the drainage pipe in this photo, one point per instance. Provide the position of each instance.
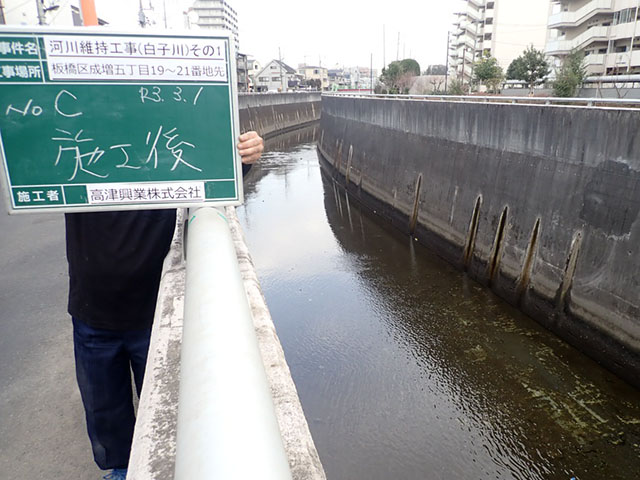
(227, 427)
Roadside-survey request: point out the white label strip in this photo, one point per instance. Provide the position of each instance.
(132, 193)
(81, 57)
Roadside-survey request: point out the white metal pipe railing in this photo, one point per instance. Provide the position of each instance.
(525, 100)
(227, 427)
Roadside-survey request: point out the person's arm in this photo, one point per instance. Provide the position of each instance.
(250, 147)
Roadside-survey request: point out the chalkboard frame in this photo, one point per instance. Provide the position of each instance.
(234, 126)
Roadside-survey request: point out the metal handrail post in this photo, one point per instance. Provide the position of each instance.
(227, 427)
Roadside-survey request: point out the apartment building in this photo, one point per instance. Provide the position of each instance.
(500, 28)
(216, 14)
(608, 32)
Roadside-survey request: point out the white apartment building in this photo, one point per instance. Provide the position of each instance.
(500, 28)
(608, 31)
(215, 14)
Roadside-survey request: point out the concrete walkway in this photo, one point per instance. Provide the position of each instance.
(42, 429)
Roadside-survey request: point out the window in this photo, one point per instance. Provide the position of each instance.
(273, 67)
(489, 21)
(489, 5)
(487, 36)
(602, 50)
(621, 49)
(624, 16)
(263, 79)
(275, 79)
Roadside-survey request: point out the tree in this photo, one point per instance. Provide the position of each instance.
(409, 65)
(530, 67)
(571, 75)
(399, 75)
(405, 82)
(436, 84)
(487, 71)
(436, 70)
(455, 88)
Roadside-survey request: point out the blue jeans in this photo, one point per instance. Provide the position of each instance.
(104, 362)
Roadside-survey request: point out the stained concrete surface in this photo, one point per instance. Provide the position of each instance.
(539, 202)
(42, 429)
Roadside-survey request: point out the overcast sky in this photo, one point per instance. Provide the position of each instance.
(331, 32)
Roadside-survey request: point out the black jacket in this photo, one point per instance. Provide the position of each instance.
(115, 264)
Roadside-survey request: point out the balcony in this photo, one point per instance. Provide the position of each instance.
(472, 29)
(573, 19)
(563, 47)
(622, 60)
(474, 14)
(624, 30)
(464, 41)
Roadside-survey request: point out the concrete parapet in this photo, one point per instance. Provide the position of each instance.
(274, 113)
(153, 453)
(254, 100)
(541, 203)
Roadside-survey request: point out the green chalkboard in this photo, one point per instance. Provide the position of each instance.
(102, 121)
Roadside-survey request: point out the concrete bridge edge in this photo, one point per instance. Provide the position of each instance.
(153, 453)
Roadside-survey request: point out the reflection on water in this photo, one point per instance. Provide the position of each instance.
(405, 368)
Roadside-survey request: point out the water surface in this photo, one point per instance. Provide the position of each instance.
(406, 368)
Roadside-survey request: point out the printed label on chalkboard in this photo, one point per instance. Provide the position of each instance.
(78, 57)
(130, 193)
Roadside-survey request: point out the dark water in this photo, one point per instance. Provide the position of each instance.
(406, 368)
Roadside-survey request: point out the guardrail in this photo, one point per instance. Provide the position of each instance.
(227, 426)
(553, 101)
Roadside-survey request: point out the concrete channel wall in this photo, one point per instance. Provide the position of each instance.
(154, 448)
(540, 203)
(274, 113)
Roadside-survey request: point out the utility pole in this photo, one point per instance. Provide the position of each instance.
(164, 6)
(371, 74)
(42, 11)
(41, 19)
(281, 76)
(446, 69)
(384, 47)
(142, 18)
(473, 55)
(633, 37)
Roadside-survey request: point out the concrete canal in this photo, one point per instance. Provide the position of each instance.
(405, 367)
